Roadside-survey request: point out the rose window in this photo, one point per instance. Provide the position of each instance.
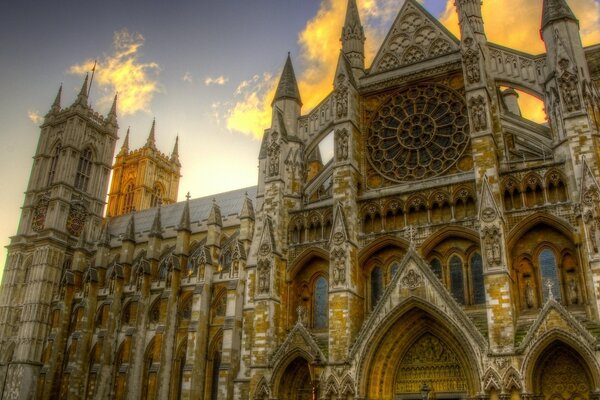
(419, 133)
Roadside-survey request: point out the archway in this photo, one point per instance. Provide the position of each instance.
(418, 347)
(296, 382)
(561, 374)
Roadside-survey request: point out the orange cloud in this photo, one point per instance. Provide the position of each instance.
(35, 117)
(320, 46)
(123, 72)
(251, 114)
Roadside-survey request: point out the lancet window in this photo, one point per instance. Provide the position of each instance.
(84, 170)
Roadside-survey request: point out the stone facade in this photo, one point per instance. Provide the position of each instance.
(448, 248)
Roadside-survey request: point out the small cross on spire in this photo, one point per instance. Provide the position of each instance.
(187, 196)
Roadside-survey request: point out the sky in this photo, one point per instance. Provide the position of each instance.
(206, 70)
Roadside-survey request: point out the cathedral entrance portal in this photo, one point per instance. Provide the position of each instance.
(430, 361)
(296, 383)
(561, 374)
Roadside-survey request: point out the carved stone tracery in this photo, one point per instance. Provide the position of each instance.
(419, 133)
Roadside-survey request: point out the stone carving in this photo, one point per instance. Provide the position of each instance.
(264, 277)
(341, 97)
(569, 87)
(406, 141)
(39, 214)
(412, 280)
(76, 219)
(573, 291)
(339, 267)
(471, 62)
(273, 152)
(477, 106)
(529, 295)
(341, 145)
(493, 247)
(488, 214)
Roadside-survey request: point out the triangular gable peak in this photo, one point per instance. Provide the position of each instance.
(298, 339)
(488, 208)
(554, 317)
(415, 36)
(339, 232)
(415, 282)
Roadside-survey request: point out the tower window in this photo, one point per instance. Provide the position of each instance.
(84, 170)
(53, 164)
(128, 201)
(156, 196)
(321, 304)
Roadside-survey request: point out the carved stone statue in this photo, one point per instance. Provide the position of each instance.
(573, 291)
(339, 272)
(263, 277)
(529, 296)
(478, 113)
(341, 147)
(341, 97)
(273, 153)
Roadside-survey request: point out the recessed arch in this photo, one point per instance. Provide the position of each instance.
(379, 244)
(540, 218)
(378, 362)
(292, 375)
(547, 346)
(449, 231)
(304, 258)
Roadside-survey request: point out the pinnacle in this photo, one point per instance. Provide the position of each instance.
(113, 108)
(288, 86)
(554, 10)
(151, 141)
(56, 104)
(175, 153)
(82, 97)
(125, 146)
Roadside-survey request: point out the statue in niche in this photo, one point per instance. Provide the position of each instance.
(341, 97)
(478, 113)
(493, 248)
(263, 277)
(342, 146)
(471, 60)
(573, 291)
(339, 271)
(111, 286)
(273, 153)
(529, 295)
(569, 87)
(592, 224)
(139, 281)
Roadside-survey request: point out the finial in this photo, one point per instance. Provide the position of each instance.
(550, 287)
(187, 196)
(184, 222)
(288, 85)
(301, 312)
(151, 141)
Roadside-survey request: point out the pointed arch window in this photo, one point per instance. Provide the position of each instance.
(216, 367)
(84, 170)
(393, 269)
(457, 280)
(549, 273)
(436, 267)
(53, 164)
(477, 279)
(128, 201)
(321, 304)
(156, 198)
(376, 285)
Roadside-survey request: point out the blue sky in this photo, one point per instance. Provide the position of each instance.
(205, 59)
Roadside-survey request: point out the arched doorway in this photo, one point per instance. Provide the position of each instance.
(296, 383)
(417, 347)
(561, 374)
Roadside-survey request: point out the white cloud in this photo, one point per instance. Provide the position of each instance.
(35, 117)
(219, 80)
(122, 71)
(187, 77)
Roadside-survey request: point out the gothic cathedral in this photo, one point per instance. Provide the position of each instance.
(449, 248)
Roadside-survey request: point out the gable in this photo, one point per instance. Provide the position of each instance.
(415, 36)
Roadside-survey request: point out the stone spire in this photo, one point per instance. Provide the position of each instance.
(247, 208)
(215, 215)
(125, 145)
(151, 141)
(353, 37)
(56, 105)
(82, 97)
(184, 222)
(554, 10)
(288, 86)
(129, 234)
(104, 239)
(175, 153)
(112, 114)
(156, 230)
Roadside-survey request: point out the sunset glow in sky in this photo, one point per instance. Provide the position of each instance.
(206, 70)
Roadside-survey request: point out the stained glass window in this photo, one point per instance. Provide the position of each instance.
(321, 305)
(456, 279)
(376, 286)
(436, 267)
(477, 279)
(395, 267)
(549, 274)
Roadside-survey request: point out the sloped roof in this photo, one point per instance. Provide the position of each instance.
(231, 204)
